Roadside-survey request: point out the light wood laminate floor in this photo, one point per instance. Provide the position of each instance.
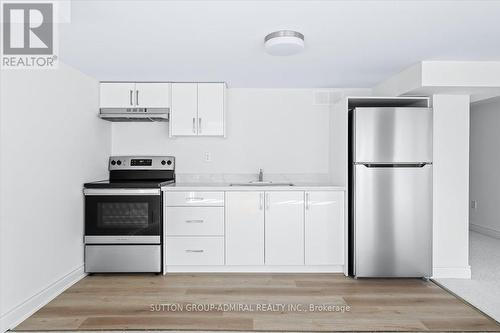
(115, 302)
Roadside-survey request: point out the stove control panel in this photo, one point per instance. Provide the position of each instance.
(141, 163)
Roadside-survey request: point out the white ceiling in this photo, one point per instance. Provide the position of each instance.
(348, 43)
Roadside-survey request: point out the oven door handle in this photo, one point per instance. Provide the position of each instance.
(126, 239)
(120, 191)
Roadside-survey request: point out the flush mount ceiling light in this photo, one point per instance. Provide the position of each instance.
(284, 42)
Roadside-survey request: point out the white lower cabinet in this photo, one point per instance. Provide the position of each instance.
(202, 221)
(245, 228)
(284, 232)
(290, 230)
(196, 199)
(324, 228)
(195, 250)
(195, 228)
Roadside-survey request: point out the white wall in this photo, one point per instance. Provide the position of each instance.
(484, 162)
(451, 186)
(51, 143)
(278, 130)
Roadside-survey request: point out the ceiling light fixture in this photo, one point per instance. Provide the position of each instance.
(284, 42)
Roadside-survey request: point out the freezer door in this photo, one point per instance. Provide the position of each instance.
(393, 221)
(393, 135)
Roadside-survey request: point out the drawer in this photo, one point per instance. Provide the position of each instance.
(195, 221)
(122, 258)
(195, 198)
(195, 250)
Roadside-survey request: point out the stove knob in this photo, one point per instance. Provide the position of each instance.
(119, 162)
(169, 162)
(113, 162)
(163, 162)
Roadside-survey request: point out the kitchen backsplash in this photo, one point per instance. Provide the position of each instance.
(244, 177)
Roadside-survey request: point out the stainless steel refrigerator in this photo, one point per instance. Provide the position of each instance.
(390, 179)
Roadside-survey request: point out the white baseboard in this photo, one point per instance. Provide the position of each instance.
(484, 230)
(451, 272)
(255, 269)
(21, 312)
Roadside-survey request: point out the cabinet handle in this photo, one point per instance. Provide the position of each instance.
(131, 93)
(194, 125)
(261, 201)
(199, 125)
(195, 251)
(308, 202)
(194, 221)
(137, 97)
(267, 201)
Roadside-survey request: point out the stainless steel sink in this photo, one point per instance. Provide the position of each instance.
(262, 183)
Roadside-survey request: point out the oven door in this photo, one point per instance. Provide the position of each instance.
(122, 216)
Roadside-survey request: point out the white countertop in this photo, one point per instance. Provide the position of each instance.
(228, 187)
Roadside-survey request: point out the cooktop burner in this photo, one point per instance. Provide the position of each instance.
(138, 172)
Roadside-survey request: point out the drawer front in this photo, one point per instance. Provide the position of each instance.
(195, 250)
(122, 258)
(195, 198)
(195, 221)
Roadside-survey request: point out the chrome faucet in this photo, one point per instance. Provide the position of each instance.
(261, 175)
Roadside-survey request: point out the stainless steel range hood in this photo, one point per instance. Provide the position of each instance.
(134, 114)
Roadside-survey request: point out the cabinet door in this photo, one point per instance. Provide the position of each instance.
(183, 114)
(324, 228)
(211, 108)
(152, 95)
(284, 227)
(117, 94)
(245, 228)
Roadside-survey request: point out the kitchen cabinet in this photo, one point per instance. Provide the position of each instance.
(324, 228)
(116, 94)
(195, 251)
(152, 94)
(198, 109)
(196, 198)
(184, 112)
(199, 221)
(194, 228)
(134, 95)
(254, 229)
(284, 228)
(245, 228)
(211, 108)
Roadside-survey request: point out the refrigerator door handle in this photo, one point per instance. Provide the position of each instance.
(395, 165)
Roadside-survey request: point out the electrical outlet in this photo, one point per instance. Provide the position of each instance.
(473, 204)
(207, 157)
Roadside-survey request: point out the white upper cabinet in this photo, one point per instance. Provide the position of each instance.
(117, 95)
(198, 109)
(324, 228)
(134, 95)
(211, 108)
(245, 228)
(284, 228)
(184, 112)
(152, 95)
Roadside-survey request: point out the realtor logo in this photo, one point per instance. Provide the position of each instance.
(28, 35)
